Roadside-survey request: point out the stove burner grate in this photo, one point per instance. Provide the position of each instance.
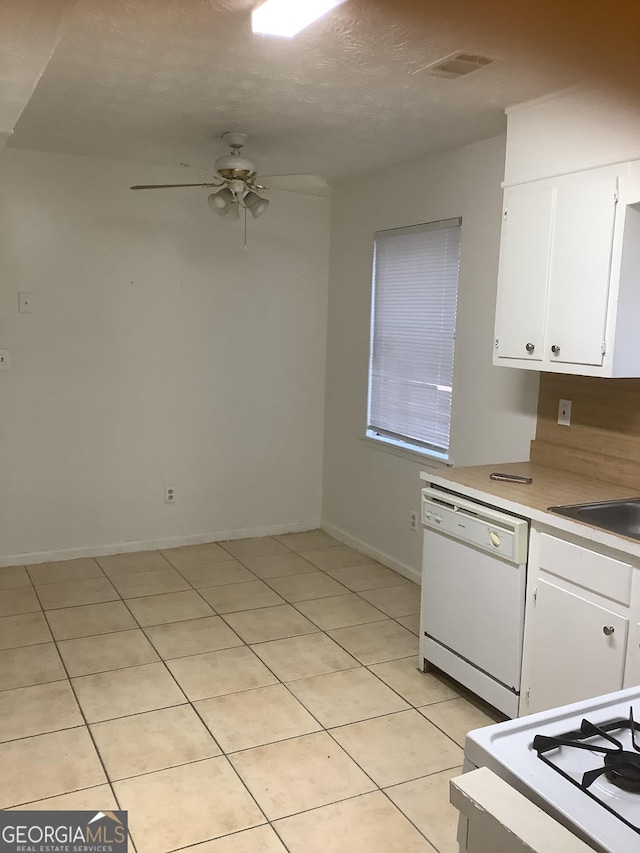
(621, 767)
(623, 770)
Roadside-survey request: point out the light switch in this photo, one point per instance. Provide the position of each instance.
(25, 303)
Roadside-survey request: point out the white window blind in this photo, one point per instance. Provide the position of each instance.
(415, 290)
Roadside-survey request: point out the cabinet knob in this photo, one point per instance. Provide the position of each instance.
(608, 630)
(555, 349)
(530, 347)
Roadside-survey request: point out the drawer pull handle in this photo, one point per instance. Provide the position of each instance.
(608, 630)
(555, 349)
(530, 347)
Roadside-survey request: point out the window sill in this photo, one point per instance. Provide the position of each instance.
(405, 452)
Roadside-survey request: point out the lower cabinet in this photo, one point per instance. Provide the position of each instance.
(576, 649)
(575, 637)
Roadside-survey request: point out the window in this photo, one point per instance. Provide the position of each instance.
(413, 320)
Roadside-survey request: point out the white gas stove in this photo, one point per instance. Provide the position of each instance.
(579, 763)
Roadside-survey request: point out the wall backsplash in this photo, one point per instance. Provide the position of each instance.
(603, 441)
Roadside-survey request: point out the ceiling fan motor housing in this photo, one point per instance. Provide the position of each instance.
(235, 166)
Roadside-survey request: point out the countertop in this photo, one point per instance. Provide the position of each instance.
(550, 487)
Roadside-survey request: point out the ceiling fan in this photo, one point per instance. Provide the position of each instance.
(236, 180)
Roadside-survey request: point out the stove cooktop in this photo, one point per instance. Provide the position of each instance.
(585, 774)
(601, 760)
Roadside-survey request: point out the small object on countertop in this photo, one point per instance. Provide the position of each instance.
(510, 478)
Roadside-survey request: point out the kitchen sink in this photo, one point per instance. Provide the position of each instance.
(620, 516)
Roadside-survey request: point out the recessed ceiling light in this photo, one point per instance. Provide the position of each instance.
(288, 17)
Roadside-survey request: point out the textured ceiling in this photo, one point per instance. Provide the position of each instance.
(29, 33)
(158, 81)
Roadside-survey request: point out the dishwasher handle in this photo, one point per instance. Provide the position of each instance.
(453, 503)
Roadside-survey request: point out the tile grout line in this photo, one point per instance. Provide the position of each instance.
(389, 787)
(279, 681)
(323, 728)
(228, 835)
(223, 754)
(190, 703)
(378, 787)
(328, 731)
(216, 613)
(221, 615)
(406, 816)
(187, 702)
(83, 715)
(243, 643)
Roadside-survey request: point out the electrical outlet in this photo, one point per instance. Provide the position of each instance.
(564, 412)
(169, 495)
(413, 521)
(4, 359)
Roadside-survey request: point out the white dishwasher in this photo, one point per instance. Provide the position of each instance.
(474, 575)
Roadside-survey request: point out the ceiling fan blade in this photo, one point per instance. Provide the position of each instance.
(171, 186)
(302, 183)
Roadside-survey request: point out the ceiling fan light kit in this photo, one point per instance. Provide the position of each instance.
(225, 204)
(221, 200)
(255, 203)
(230, 213)
(288, 17)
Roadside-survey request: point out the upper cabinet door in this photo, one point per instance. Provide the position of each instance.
(580, 268)
(525, 254)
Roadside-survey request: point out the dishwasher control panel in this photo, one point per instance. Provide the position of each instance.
(483, 527)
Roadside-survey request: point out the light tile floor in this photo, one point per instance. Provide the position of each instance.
(252, 696)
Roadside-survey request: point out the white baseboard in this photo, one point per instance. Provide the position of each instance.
(33, 557)
(386, 559)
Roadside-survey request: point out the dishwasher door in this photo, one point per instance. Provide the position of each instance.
(472, 613)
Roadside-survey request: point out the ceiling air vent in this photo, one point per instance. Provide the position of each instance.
(457, 65)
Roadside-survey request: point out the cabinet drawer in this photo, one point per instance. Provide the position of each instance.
(603, 575)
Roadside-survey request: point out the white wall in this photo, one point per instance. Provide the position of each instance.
(159, 353)
(570, 131)
(369, 492)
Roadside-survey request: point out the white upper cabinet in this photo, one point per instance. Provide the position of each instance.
(579, 273)
(524, 270)
(555, 272)
(569, 272)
